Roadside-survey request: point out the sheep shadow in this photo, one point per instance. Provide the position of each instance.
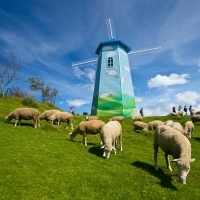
(81, 142)
(165, 180)
(96, 150)
(21, 124)
(196, 138)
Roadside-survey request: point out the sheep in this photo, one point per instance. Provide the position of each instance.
(177, 126)
(139, 126)
(86, 127)
(168, 122)
(137, 118)
(173, 143)
(62, 117)
(174, 114)
(189, 128)
(117, 118)
(153, 124)
(26, 114)
(180, 113)
(88, 118)
(47, 113)
(109, 134)
(195, 118)
(195, 112)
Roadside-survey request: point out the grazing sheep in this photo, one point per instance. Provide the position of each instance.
(189, 128)
(26, 114)
(137, 118)
(87, 127)
(62, 117)
(139, 126)
(153, 124)
(180, 113)
(88, 118)
(177, 126)
(195, 118)
(109, 134)
(174, 114)
(117, 118)
(47, 113)
(168, 123)
(175, 144)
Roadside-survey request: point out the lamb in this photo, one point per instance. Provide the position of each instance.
(153, 124)
(177, 126)
(189, 128)
(139, 126)
(117, 118)
(175, 144)
(174, 114)
(62, 117)
(87, 127)
(109, 134)
(47, 113)
(137, 118)
(195, 118)
(88, 118)
(168, 123)
(26, 114)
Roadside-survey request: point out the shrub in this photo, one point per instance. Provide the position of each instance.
(30, 102)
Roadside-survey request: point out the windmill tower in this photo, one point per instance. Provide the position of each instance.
(113, 91)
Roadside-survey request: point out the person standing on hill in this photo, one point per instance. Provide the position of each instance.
(185, 110)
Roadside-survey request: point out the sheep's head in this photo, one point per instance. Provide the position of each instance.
(183, 166)
(71, 136)
(107, 150)
(8, 118)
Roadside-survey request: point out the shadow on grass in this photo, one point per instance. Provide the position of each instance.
(197, 139)
(22, 124)
(96, 150)
(166, 180)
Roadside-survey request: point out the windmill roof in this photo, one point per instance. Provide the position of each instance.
(111, 42)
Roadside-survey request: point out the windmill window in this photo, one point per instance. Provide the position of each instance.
(110, 62)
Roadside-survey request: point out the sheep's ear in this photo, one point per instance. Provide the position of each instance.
(175, 160)
(103, 147)
(192, 160)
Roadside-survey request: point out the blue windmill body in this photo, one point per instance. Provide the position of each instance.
(113, 92)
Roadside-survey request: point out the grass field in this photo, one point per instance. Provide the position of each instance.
(41, 164)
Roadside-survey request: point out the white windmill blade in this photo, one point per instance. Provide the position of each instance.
(83, 62)
(144, 50)
(110, 29)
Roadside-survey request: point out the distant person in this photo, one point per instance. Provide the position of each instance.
(173, 109)
(190, 109)
(141, 112)
(179, 108)
(72, 109)
(185, 109)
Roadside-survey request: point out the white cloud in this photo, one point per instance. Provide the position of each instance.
(188, 98)
(86, 72)
(77, 102)
(164, 81)
(138, 99)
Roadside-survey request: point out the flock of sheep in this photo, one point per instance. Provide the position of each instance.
(170, 136)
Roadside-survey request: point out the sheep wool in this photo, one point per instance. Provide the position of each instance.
(137, 118)
(117, 118)
(195, 118)
(25, 114)
(87, 127)
(188, 129)
(139, 126)
(47, 113)
(173, 143)
(88, 118)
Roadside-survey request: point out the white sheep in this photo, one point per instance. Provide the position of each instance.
(175, 144)
(62, 117)
(139, 126)
(117, 118)
(47, 113)
(86, 127)
(177, 126)
(109, 134)
(153, 124)
(180, 113)
(195, 118)
(136, 118)
(189, 128)
(26, 114)
(168, 123)
(88, 118)
(174, 114)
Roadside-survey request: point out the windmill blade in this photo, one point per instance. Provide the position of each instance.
(83, 62)
(144, 50)
(110, 29)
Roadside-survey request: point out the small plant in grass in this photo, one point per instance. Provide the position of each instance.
(30, 102)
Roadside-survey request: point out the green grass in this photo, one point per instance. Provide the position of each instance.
(43, 164)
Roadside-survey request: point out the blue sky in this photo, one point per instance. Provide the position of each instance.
(51, 35)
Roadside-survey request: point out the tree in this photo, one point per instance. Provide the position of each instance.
(49, 94)
(35, 83)
(9, 69)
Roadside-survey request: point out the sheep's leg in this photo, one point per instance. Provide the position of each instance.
(16, 122)
(120, 138)
(84, 139)
(72, 126)
(168, 162)
(58, 122)
(155, 158)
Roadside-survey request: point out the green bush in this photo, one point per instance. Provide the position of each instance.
(30, 102)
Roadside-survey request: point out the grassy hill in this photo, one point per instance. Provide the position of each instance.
(43, 164)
